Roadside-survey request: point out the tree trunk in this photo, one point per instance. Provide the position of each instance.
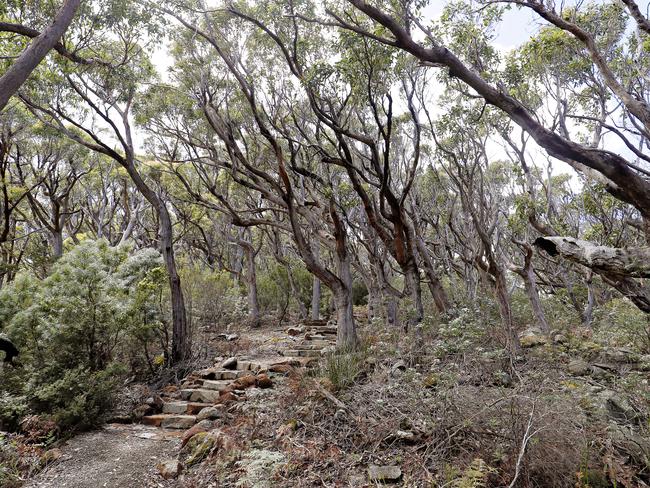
(412, 277)
(57, 243)
(17, 74)
(501, 292)
(633, 262)
(617, 267)
(302, 309)
(251, 284)
(435, 286)
(315, 299)
(181, 345)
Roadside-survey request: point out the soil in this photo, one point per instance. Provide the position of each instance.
(117, 456)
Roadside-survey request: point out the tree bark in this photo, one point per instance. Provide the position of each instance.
(251, 285)
(17, 74)
(633, 262)
(617, 267)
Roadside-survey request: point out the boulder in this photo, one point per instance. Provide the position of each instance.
(280, 368)
(230, 363)
(384, 473)
(578, 367)
(202, 426)
(211, 413)
(169, 470)
(532, 337)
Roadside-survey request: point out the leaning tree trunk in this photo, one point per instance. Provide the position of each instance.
(435, 286)
(17, 74)
(617, 267)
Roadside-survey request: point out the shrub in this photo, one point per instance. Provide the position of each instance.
(74, 330)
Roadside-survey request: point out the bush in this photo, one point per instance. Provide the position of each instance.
(75, 329)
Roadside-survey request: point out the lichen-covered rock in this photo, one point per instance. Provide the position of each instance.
(578, 367)
(384, 473)
(211, 413)
(532, 337)
(202, 426)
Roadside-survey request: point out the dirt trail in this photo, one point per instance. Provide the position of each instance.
(117, 456)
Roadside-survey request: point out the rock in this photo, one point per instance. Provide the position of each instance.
(384, 473)
(232, 337)
(155, 402)
(263, 381)
(578, 367)
(230, 363)
(532, 337)
(406, 436)
(243, 382)
(597, 372)
(431, 380)
(295, 331)
(202, 426)
(51, 456)
(202, 444)
(169, 469)
(620, 355)
(211, 413)
(560, 339)
(328, 350)
(204, 396)
(280, 368)
(178, 421)
(227, 397)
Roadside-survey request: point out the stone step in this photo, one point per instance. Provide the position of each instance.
(309, 347)
(248, 366)
(170, 421)
(323, 330)
(300, 353)
(200, 395)
(219, 385)
(184, 408)
(229, 374)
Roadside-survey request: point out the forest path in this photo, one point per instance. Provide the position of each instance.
(116, 456)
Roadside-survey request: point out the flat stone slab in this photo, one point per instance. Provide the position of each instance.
(203, 395)
(219, 385)
(170, 421)
(180, 408)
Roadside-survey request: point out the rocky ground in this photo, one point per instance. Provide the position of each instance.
(567, 412)
(117, 456)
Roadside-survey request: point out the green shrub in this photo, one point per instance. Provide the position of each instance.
(76, 329)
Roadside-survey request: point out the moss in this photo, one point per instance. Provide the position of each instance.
(198, 448)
